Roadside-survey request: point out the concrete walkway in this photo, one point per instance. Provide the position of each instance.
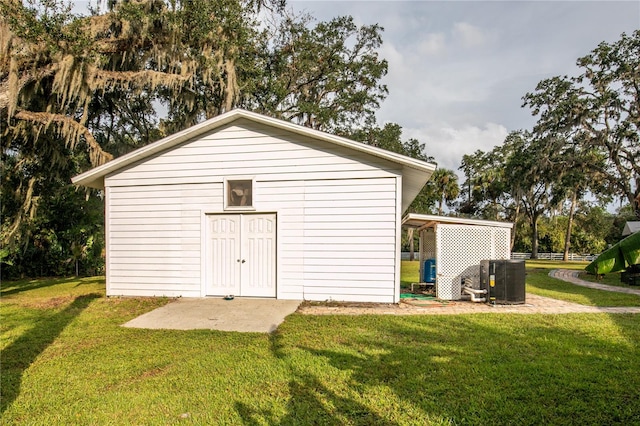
(572, 277)
(239, 314)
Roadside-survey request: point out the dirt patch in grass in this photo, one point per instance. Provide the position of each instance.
(41, 302)
(138, 378)
(404, 306)
(336, 304)
(53, 303)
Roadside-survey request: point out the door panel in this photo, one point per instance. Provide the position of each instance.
(241, 255)
(258, 276)
(223, 255)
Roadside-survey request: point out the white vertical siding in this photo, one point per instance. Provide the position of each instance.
(154, 238)
(400, 208)
(287, 199)
(350, 240)
(337, 217)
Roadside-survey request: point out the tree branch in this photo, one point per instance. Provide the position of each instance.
(71, 130)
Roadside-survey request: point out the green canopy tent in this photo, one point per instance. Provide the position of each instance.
(618, 257)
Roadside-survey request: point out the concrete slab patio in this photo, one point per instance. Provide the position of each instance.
(265, 315)
(239, 314)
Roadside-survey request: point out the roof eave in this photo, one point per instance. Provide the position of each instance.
(415, 217)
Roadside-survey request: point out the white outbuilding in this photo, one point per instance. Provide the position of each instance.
(247, 205)
(451, 249)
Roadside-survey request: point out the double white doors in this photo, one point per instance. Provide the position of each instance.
(241, 255)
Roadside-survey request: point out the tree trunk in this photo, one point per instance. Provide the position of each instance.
(410, 237)
(515, 224)
(534, 237)
(76, 267)
(567, 238)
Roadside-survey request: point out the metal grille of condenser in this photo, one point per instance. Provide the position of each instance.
(459, 250)
(504, 281)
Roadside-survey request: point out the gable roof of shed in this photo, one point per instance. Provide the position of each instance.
(415, 172)
(631, 227)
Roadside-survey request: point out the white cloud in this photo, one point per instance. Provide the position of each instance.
(469, 35)
(447, 144)
(432, 44)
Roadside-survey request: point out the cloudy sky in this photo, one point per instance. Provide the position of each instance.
(458, 70)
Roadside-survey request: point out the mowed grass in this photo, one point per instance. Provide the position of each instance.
(539, 282)
(66, 360)
(410, 272)
(612, 279)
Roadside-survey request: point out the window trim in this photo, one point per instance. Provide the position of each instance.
(227, 181)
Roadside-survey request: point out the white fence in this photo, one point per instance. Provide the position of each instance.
(555, 256)
(541, 256)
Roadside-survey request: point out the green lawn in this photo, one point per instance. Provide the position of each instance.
(608, 279)
(66, 360)
(539, 282)
(410, 272)
(555, 264)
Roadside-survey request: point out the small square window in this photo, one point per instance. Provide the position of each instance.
(239, 193)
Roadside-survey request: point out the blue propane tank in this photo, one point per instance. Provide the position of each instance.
(429, 271)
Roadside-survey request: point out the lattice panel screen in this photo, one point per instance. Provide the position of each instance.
(427, 247)
(459, 250)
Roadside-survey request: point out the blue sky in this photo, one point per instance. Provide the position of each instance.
(458, 70)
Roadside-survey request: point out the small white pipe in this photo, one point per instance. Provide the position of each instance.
(474, 290)
(474, 293)
(477, 299)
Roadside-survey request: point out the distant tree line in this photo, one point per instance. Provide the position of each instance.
(585, 145)
(79, 90)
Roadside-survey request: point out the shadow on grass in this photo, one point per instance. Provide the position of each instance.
(20, 354)
(482, 369)
(311, 402)
(15, 287)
